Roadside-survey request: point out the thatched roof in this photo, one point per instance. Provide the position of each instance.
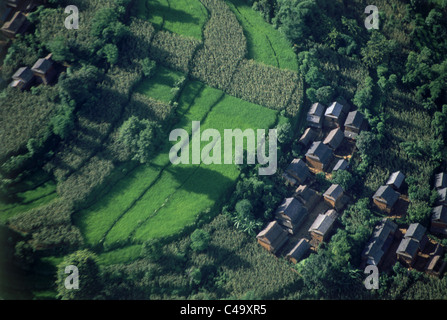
(439, 213)
(323, 222)
(309, 136)
(341, 164)
(378, 245)
(291, 209)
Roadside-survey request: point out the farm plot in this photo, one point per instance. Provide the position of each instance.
(159, 199)
(185, 17)
(26, 199)
(264, 43)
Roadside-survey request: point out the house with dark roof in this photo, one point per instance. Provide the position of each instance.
(307, 196)
(22, 79)
(299, 251)
(335, 115)
(385, 198)
(322, 226)
(354, 124)
(291, 214)
(298, 170)
(439, 220)
(17, 25)
(441, 180)
(44, 70)
(341, 164)
(396, 180)
(309, 136)
(334, 138)
(273, 237)
(407, 251)
(315, 116)
(442, 196)
(334, 195)
(319, 156)
(379, 243)
(413, 242)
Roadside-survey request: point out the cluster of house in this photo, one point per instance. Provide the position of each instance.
(14, 17)
(43, 71)
(413, 246)
(326, 132)
(439, 213)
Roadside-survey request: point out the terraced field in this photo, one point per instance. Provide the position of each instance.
(159, 199)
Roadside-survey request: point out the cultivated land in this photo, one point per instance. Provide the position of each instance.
(159, 199)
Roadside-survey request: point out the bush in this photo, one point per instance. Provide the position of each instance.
(200, 240)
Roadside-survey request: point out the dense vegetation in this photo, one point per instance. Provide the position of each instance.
(85, 176)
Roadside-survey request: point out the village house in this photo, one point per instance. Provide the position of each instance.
(17, 25)
(439, 220)
(442, 196)
(273, 237)
(396, 180)
(22, 79)
(299, 251)
(385, 198)
(335, 115)
(435, 265)
(44, 70)
(354, 124)
(298, 170)
(307, 196)
(441, 180)
(341, 164)
(319, 156)
(334, 195)
(309, 136)
(322, 226)
(413, 242)
(291, 214)
(315, 116)
(379, 243)
(334, 139)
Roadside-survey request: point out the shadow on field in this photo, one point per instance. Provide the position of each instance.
(200, 179)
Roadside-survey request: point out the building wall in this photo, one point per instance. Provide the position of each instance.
(382, 206)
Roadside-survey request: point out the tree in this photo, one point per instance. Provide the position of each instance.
(148, 67)
(344, 178)
(90, 282)
(60, 50)
(152, 249)
(141, 136)
(368, 144)
(200, 240)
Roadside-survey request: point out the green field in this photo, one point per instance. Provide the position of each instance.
(160, 84)
(264, 43)
(159, 199)
(185, 17)
(27, 199)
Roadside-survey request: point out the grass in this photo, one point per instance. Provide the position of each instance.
(159, 199)
(185, 17)
(264, 43)
(27, 200)
(160, 84)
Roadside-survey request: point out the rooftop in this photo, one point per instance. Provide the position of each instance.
(439, 213)
(335, 191)
(334, 138)
(354, 119)
(335, 110)
(396, 179)
(415, 231)
(441, 180)
(320, 152)
(387, 195)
